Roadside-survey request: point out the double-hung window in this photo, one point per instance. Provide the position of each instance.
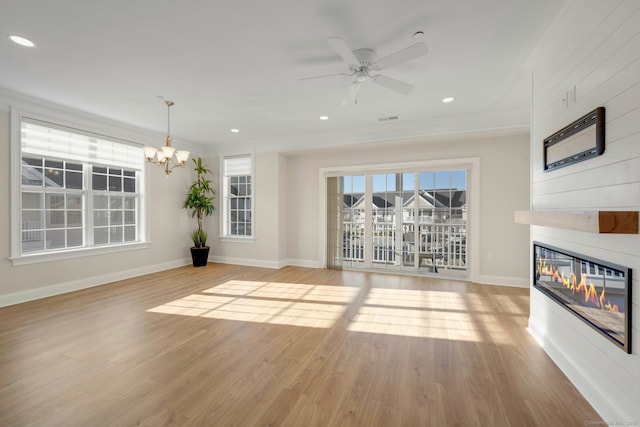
(77, 191)
(238, 196)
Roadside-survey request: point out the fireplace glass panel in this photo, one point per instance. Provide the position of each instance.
(595, 291)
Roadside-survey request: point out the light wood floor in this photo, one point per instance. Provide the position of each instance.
(236, 346)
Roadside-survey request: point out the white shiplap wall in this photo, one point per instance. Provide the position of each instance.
(594, 47)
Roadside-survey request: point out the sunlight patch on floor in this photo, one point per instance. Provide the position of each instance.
(192, 305)
(403, 312)
(423, 299)
(316, 306)
(279, 313)
(425, 323)
(277, 290)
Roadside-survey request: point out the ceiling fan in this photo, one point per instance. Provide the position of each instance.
(363, 63)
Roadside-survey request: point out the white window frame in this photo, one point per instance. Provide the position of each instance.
(226, 234)
(472, 164)
(82, 126)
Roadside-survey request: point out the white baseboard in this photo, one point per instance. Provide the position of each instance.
(245, 261)
(266, 264)
(580, 379)
(516, 282)
(309, 263)
(89, 282)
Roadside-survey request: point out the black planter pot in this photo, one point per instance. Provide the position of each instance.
(200, 256)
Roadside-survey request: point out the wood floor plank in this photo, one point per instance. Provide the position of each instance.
(229, 345)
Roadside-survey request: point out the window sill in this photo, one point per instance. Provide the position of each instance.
(238, 239)
(76, 253)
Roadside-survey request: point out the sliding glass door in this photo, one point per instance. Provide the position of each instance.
(405, 221)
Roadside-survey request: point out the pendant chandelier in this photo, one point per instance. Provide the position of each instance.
(167, 157)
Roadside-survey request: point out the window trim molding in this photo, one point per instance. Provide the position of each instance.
(73, 123)
(16, 184)
(237, 239)
(224, 232)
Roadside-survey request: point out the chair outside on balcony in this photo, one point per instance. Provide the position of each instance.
(409, 253)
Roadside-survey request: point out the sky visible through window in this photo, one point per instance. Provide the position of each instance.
(455, 179)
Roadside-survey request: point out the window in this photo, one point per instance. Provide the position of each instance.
(52, 204)
(403, 221)
(238, 196)
(77, 191)
(114, 205)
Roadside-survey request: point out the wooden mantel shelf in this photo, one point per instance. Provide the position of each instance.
(619, 222)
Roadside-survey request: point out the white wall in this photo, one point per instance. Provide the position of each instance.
(265, 248)
(504, 188)
(594, 45)
(170, 228)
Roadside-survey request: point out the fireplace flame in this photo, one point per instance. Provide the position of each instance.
(610, 307)
(588, 291)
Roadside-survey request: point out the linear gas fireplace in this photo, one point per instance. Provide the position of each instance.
(597, 292)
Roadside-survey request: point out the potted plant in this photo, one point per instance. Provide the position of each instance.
(199, 200)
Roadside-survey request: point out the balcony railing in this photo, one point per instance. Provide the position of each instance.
(441, 241)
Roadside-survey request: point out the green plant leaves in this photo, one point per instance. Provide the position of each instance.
(199, 200)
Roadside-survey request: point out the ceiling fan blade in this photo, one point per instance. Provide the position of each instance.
(325, 76)
(352, 94)
(404, 55)
(343, 50)
(392, 84)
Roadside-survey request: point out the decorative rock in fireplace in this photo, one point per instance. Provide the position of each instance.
(597, 292)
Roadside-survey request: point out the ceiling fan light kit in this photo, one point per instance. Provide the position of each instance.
(363, 63)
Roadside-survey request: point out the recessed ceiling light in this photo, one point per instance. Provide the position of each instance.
(22, 41)
(234, 130)
(324, 117)
(418, 35)
(448, 99)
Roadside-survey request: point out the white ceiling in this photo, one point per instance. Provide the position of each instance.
(237, 64)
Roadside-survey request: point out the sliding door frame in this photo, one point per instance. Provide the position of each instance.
(471, 164)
